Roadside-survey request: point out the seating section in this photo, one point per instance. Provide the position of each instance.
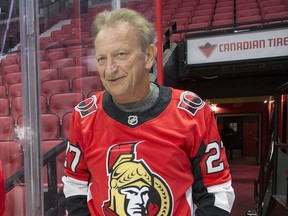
(206, 15)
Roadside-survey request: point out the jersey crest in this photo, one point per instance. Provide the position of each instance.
(190, 102)
(133, 188)
(87, 106)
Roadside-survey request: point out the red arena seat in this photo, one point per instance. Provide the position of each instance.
(51, 56)
(225, 4)
(183, 15)
(14, 90)
(50, 123)
(224, 9)
(224, 22)
(202, 19)
(77, 53)
(51, 87)
(50, 126)
(7, 128)
(206, 6)
(65, 102)
(8, 61)
(69, 73)
(189, 4)
(48, 74)
(249, 19)
(181, 21)
(62, 63)
(65, 124)
(12, 78)
(11, 157)
(224, 16)
(270, 3)
(273, 9)
(2, 91)
(86, 84)
(15, 201)
(247, 6)
(11, 69)
(4, 107)
(250, 12)
(90, 63)
(205, 12)
(16, 106)
(277, 15)
(44, 65)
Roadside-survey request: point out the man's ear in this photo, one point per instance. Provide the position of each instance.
(150, 53)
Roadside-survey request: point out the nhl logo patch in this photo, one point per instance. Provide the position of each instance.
(132, 119)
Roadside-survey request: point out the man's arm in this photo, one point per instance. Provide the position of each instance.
(212, 190)
(76, 196)
(76, 178)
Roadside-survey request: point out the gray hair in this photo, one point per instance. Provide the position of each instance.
(145, 29)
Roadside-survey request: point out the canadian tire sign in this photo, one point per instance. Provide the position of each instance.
(237, 46)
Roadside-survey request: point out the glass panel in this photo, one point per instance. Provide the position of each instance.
(64, 65)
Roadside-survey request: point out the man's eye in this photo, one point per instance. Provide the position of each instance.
(100, 59)
(121, 54)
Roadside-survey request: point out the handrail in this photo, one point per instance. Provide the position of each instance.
(269, 163)
(51, 155)
(282, 89)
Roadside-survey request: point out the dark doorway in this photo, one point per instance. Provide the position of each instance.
(247, 134)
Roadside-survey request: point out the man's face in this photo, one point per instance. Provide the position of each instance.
(122, 64)
(137, 199)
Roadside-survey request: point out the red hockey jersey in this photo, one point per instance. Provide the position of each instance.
(168, 160)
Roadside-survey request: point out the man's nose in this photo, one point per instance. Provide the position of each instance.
(111, 66)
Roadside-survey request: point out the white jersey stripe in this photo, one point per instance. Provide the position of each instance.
(224, 195)
(74, 187)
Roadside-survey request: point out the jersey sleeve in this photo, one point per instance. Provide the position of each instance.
(76, 175)
(212, 190)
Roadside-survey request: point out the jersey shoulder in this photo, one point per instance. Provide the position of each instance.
(188, 101)
(89, 106)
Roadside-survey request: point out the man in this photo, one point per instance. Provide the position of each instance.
(227, 135)
(138, 140)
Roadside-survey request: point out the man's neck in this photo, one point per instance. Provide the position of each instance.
(143, 104)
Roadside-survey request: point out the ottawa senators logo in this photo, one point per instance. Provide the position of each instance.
(190, 102)
(134, 189)
(87, 106)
